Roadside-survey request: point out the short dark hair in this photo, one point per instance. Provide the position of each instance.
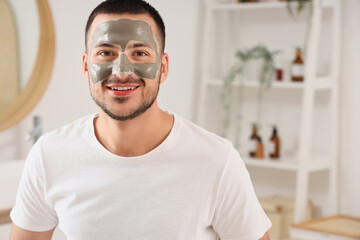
(127, 6)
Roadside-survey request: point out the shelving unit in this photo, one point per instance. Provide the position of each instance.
(260, 5)
(322, 83)
(319, 163)
(219, 42)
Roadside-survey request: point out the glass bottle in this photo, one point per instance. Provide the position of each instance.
(297, 67)
(253, 141)
(279, 72)
(274, 145)
(259, 149)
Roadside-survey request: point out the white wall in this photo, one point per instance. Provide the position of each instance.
(350, 111)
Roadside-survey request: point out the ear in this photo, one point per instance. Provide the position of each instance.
(85, 65)
(164, 67)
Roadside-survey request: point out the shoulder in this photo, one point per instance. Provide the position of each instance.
(63, 143)
(72, 135)
(78, 128)
(191, 131)
(207, 147)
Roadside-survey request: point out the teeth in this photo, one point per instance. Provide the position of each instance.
(122, 88)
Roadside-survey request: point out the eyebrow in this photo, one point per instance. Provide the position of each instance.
(136, 45)
(104, 45)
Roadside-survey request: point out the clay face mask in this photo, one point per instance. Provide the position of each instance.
(115, 47)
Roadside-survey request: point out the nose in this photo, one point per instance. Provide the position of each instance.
(123, 66)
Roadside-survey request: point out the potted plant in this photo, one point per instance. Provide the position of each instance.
(265, 77)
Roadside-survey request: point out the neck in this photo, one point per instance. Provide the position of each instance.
(136, 136)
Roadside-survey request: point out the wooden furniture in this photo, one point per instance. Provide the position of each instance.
(28, 97)
(9, 65)
(5, 216)
(280, 211)
(334, 227)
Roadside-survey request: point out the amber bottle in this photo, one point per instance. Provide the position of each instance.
(274, 145)
(253, 141)
(297, 67)
(259, 149)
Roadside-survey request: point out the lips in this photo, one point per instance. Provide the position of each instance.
(122, 89)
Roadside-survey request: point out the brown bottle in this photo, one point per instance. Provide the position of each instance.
(297, 67)
(259, 149)
(253, 141)
(274, 145)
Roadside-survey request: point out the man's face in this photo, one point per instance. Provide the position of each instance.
(123, 64)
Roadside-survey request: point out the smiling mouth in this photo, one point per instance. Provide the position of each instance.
(122, 91)
(122, 88)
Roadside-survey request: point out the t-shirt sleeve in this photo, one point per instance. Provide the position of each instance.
(238, 214)
(32, 211)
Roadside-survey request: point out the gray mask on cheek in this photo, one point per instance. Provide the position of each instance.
(121, 32)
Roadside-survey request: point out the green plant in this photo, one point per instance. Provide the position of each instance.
(266, 76)
(301, 5)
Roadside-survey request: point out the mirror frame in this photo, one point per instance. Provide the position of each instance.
(28, 97)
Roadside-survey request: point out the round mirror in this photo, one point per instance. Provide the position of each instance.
(19, 96)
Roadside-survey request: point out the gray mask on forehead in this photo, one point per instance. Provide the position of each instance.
(121, 32)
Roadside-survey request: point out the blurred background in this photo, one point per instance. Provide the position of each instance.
(202, 42)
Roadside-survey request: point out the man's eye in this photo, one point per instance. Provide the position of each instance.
(106, 53)
(140, 53)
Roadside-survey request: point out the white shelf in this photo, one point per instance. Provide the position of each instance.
(259, 5)
(304, 161)
(248, 6)
(320, 83)
(318, 163)
(255, 84)
(271, 163)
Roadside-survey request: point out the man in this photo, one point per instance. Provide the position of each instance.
(133, 171)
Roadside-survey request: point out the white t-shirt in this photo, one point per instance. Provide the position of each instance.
(194, 185)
